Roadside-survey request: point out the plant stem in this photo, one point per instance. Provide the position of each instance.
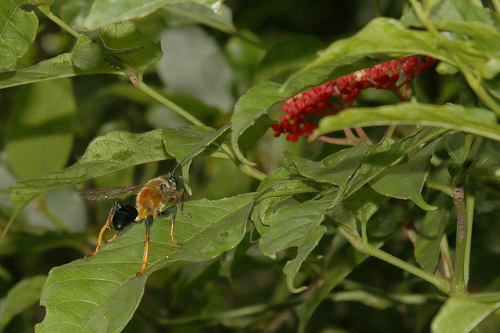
(46, 11)
(165, 101)
(464, 203)
(369, 249)
(459, 285)
(470, 201)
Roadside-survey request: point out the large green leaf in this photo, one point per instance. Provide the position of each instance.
(105, 12)
(472, 120)
(55, 68)
(462, 314)
(17, 30)
(105, 154)
(84, 296)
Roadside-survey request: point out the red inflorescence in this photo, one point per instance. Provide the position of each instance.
(391, 75)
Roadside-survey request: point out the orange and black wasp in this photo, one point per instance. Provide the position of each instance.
(152, 198)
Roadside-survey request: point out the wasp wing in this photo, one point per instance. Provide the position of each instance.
(111, 192)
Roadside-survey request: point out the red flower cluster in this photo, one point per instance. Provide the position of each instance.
(391, 75)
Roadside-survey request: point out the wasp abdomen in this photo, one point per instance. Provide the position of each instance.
(124, 217)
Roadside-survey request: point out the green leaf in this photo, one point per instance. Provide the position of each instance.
(204, 74)
(197, 13)
(382, 36)
(487, 162)
(295, 226)
(83, 296)
(24, 294)
(128, 46)
(39, 136)
(55, 68)
(288, 54)
(336, 169)
(429, 237)
(180, 142)
(472, 120)
(249, 108)
(107, 153)
(455, 146)
(86, 54)
(343, 263)
(406, 181)
(17, 30)
(461, 314)
(111, 11)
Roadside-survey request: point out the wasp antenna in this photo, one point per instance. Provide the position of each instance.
(188, 155)
(184, 180)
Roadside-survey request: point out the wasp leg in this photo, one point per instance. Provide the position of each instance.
(147, 222)
(113, 238)
(180, 198)
(166, 212)
(116, 205)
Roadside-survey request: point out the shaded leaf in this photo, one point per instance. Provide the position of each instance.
(24, 294)
(461, 314)
(83, 296)
(455, 146)
(487, 162)
(288, 54)
(429, 236)
(39, 136)
(342, 265)
(406, 181)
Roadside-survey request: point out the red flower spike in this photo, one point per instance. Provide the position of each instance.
(346, 89)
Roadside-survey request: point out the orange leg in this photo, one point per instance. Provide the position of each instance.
(173, 210)
(148, 221)
(106, 226)
(113, 238)
(99, 240)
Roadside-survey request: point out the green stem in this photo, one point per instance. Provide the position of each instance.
(165, 101)
(458, 283)
(469, 206)
(464, 203)
(252, 172)
(446, 189)
(369, 249)
(46, 11)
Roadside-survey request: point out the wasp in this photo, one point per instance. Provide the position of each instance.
(151, 200)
